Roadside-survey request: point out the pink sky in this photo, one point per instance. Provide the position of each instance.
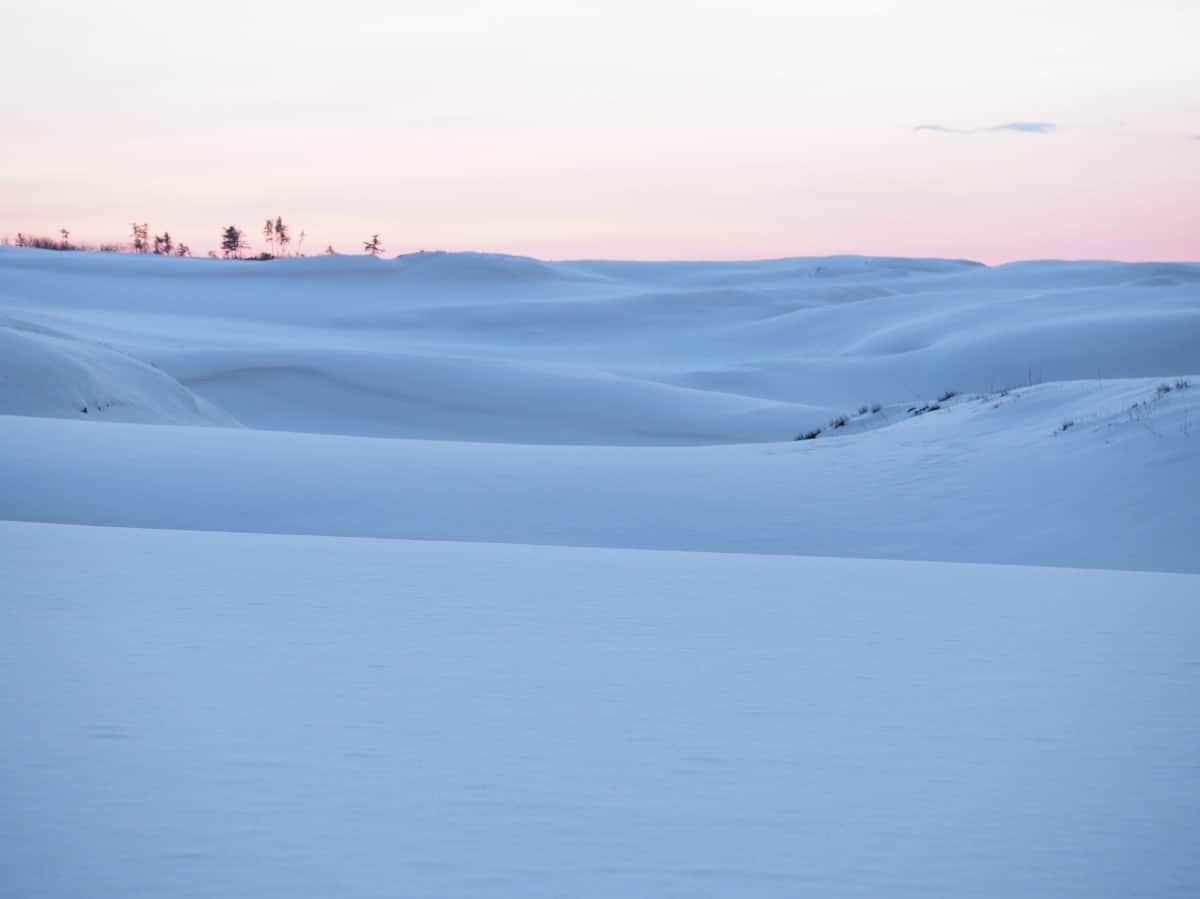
(630, 129)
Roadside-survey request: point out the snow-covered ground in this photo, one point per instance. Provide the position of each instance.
(614, 404)
(486, 348)
(520, 712)
(980, 481)
(214, 715)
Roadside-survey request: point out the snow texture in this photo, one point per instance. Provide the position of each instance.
(213, 715)
(214, 685)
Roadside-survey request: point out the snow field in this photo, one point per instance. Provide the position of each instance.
(214, 683)
(215, 714)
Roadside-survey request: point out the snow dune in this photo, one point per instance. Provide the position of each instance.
(646, 405)
(993, 480)
(500, 349)
(42, 373)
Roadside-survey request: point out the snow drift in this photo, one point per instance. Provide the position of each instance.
(60, 377)
(993, 479)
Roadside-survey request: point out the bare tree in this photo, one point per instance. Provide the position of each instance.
(269, 234)
(281, 235)
(66, 238)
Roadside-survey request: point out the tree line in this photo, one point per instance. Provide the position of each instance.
(277, 236)
(163, 244)
(276, 233)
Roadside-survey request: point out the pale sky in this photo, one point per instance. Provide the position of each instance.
(630, 128)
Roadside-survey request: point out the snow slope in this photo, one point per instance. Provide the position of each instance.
(994, 480)
(215, 715)
(47, 374)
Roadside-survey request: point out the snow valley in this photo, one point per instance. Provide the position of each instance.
(472, 575)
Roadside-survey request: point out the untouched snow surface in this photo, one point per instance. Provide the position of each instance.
(487, 348)
(46, 374)
(215, 715)
(980, 481)
(199, 700)
(645, 405)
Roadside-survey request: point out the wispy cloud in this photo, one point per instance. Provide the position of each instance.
(1017, 127)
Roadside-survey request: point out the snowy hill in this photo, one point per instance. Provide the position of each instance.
(486, 348)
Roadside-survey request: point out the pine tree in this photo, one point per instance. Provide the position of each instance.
(140, 237)
(166, 243)
(373, 246)
(233, 241)
(269, 234)
(66, 235)
(329, 250)
(183, 250)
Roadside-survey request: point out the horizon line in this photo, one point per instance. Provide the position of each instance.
(726, 260)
